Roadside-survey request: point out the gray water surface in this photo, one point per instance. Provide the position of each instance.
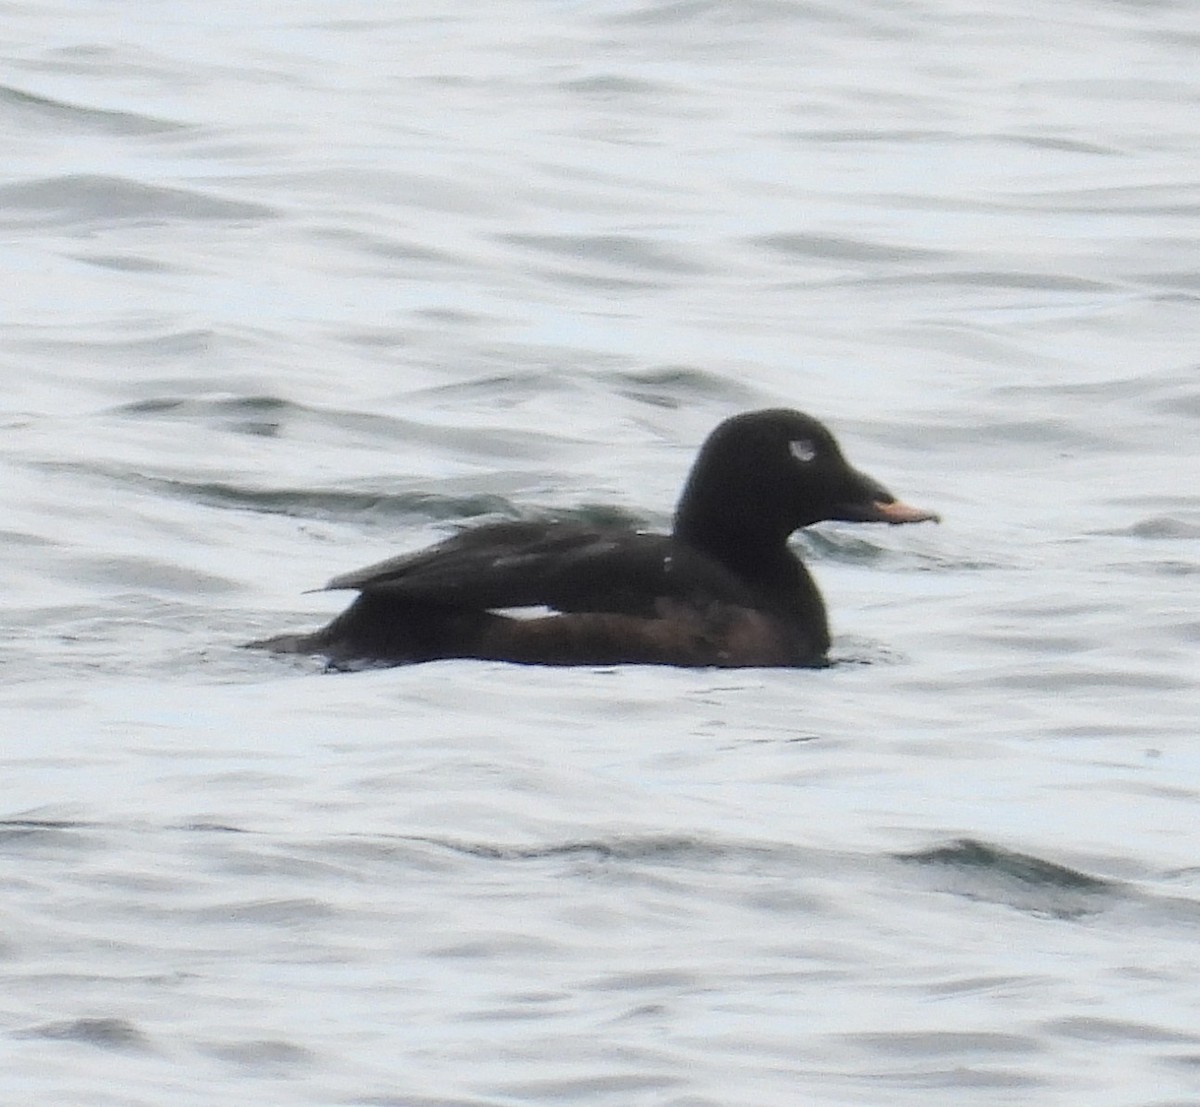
(289, 289)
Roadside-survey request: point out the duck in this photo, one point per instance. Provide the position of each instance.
(723, 589)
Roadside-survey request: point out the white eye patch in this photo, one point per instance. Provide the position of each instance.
(803, 449)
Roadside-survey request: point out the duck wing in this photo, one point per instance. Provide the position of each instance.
(563, 566)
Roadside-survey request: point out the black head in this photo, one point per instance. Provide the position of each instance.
(762, 475)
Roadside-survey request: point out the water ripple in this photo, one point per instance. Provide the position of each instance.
(26, 109)
(107, 201)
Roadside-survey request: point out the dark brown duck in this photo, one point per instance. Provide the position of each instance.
(722, 589)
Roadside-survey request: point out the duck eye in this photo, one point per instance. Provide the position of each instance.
(802, 449)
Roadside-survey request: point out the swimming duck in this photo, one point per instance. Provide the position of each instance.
(722, 589)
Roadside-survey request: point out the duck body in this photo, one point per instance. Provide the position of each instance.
(723, 589)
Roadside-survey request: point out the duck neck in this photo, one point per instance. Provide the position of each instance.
(758, 555)
(740, 544)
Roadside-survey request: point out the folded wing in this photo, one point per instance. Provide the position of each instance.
(563, 566)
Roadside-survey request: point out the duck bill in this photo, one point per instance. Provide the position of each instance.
(893, 511)
(870, 502)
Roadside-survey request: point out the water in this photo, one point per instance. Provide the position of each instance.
(293, 289)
